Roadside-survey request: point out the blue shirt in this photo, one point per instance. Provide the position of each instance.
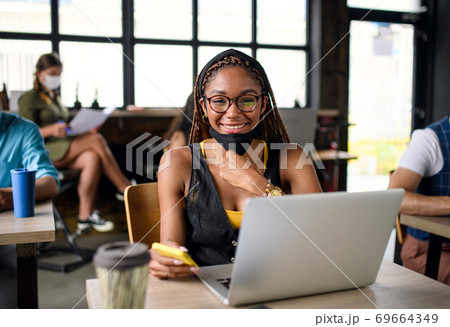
(22, 146)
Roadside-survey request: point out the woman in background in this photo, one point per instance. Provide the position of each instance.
(88, 152)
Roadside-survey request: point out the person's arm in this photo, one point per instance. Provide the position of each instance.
(417, 204)
(46, 188)
(174, 167)
(57, 129)
(177, 140)
(35, 156)
(6, 201)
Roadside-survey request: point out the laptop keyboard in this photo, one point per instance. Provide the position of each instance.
(225, 282)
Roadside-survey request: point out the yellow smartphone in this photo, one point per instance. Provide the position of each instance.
(172, 252)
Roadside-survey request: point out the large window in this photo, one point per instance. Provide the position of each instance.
(227, 21)
(384, 63)
(31, 16)
(18, 61)
(163, 74)
(380, 101)
(94, 70)
(397, 5)
(148, 52)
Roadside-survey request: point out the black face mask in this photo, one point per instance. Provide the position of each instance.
(236, 142)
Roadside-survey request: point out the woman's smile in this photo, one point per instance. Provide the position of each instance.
(233, 128)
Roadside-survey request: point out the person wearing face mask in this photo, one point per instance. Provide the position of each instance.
(235, 152)
(88, 152)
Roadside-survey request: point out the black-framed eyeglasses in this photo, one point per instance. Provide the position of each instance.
(245, 103)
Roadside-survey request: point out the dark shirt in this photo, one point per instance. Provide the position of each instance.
(209, 236)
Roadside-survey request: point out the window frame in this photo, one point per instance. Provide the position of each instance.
(128, 42)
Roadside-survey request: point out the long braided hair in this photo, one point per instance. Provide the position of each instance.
(272, 129)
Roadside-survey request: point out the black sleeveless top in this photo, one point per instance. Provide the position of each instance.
(209, 236)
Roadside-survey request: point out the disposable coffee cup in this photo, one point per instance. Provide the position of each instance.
(122, 270)
(23, 189)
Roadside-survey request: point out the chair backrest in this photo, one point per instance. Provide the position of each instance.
(11, 102)
(300, 124)
(142, 210)
(4, 101)
(401, 229)
(14, 100)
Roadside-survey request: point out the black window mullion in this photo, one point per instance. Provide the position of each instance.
(254, 43)
(128, 51)
(376, 15)
(424, 34)
(194, 39)
(308, 49)
(54, 32)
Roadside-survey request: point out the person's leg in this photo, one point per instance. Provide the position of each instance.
(8, 277)
(414, 254)
(414, 257)
(96, 143)
(89, 164)
(444, 265)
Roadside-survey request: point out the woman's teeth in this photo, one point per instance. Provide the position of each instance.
(234, 126)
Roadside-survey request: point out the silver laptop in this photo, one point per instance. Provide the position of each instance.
(300, 124)
(298, 245)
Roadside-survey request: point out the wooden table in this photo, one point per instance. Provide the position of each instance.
(439, 229)
(396, 287)
(332, 155)
(26, 233)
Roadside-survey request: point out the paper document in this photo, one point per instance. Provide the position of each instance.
(87, 119)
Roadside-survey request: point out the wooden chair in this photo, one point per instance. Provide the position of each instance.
(142, 211)
(401, 233)
(4, 100)
(11, 102)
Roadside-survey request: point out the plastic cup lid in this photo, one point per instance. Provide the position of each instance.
(22, 170)
(121, 255)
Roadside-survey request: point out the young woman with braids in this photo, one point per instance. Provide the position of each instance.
(88, 152)
(203, 187)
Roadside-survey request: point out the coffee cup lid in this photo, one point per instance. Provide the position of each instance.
(121, 255)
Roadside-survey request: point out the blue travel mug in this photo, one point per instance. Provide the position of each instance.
(23, 188)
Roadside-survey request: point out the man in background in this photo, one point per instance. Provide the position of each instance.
(21, 146)
(424, 173)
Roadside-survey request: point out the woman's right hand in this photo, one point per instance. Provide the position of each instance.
(164, 267)
(58, 129)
